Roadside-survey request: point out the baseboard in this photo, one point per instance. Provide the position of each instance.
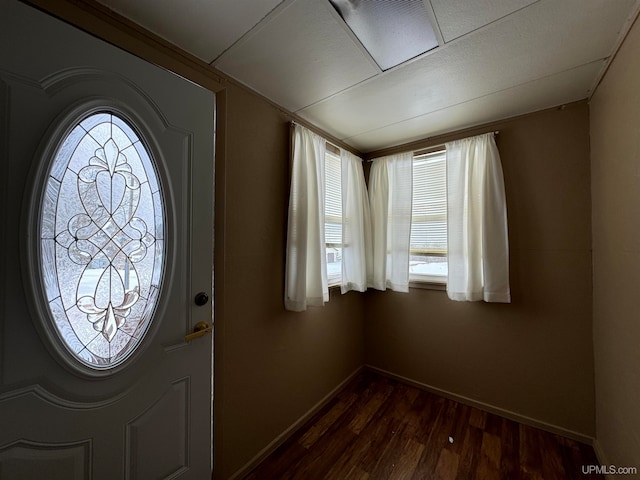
(284, 436)
(532, 422)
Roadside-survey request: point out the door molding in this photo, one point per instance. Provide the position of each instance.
(43, 394)
(50, 455)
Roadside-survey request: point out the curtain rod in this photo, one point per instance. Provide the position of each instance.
(431, 147)
(333, 143)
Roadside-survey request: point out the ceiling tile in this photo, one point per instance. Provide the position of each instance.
(298, 56)
(523, 47)
(204, 28)
(459, 17)
(547, 92)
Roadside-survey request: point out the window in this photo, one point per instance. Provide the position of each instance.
(428, 243)
(102, 240)
(333, 214)
(334, 252)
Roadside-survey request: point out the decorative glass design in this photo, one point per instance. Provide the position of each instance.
(102, 240)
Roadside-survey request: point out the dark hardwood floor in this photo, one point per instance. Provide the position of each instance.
(378, 428)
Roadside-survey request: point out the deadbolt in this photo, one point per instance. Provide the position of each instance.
(201, 299)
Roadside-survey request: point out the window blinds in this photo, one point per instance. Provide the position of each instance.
(429, 205)
(333, 200)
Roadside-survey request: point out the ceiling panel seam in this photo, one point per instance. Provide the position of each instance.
(339, 92)
(494, 21)
(346, 139)
(418, 58)
(273, 14)
(434, 22)
(339, 20)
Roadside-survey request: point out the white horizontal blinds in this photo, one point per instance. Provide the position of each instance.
(333, 199)
(333, 215)
(429, 205)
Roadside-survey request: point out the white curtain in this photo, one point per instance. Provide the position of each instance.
(356, 225)
(306, 269)
(478, 250)
(390, 189)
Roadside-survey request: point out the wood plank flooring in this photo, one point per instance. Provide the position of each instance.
(378, 428)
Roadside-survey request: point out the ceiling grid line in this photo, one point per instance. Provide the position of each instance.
(439, 50)
(436, 24)
(248, 32)
(496, 20)
(353, 37)
(345, 139)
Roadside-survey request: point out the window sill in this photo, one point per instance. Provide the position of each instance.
(422, 285)
(428, 285)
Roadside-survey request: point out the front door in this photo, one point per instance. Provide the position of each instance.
(106, 254)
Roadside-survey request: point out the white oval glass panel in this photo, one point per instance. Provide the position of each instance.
(102, 240)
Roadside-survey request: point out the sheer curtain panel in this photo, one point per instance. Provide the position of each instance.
(356, 225)
(390, 190)
(478, 249)
(306, 270)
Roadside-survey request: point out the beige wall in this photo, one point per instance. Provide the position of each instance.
(615, 157)
(534, 356)
(271, 366)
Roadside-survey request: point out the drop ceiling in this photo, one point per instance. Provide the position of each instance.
(494, 59)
